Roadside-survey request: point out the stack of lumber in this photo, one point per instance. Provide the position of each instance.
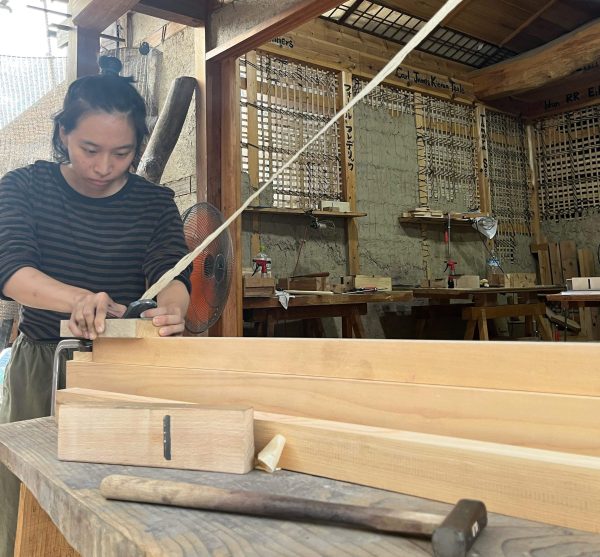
(424, 211)
(512, 424)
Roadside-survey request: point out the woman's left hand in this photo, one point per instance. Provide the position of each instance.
(168, 318)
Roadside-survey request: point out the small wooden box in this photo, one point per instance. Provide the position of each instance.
(256, 286)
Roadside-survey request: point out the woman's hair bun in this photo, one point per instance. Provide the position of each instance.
(109, 65)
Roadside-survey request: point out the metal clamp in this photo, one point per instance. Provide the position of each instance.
(67, 344)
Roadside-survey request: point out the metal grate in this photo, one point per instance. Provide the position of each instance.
(293, 101)
(447, 146)
(568, 157)
(509, 181)
(396, 26)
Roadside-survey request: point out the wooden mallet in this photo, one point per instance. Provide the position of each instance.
(451, 536)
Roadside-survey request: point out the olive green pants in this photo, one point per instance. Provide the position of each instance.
(26, 395)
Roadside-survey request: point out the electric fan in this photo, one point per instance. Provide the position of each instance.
(212, 268)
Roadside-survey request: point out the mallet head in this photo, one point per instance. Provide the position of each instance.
(455, 536)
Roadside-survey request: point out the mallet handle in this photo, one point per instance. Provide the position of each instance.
(180, 494)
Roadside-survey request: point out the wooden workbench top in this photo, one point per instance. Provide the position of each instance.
(68, 491)
(381, 297)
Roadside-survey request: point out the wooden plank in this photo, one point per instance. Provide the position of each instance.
(555, 263)
(483, 177)
(534, 187)
(83, 48)
(564, 422)
(541, 66)
(37, 536)
(587, 262)
(250, 39)
(568, 258)
(202, 122)
(98, 14)
(557, 488)
(520, 366)
(545, 271)
(120, 328)
(161, 435)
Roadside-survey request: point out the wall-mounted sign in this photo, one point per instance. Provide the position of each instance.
(431, 81)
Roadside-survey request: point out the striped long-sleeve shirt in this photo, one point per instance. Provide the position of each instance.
(112, 244)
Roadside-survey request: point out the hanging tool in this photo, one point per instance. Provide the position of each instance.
(450, 263)
(452, 535)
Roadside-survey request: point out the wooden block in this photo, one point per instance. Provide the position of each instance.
(466, 281)
(373, 281)
(583, 283)
(551, 487)
(162, 435)
(258, 281)
(120, 328)
(568, 257)
(304, 283)
(535, 419)
(520, 280)
(545, 270)
(407, 361)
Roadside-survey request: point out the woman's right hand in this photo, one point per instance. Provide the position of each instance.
(90, 312)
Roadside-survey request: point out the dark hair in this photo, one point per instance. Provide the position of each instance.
(108, 92)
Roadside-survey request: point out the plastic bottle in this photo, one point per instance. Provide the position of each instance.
(262, 262)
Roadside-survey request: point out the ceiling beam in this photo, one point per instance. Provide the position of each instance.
(527, 22)
(186, 12)
(541, 66)
(97, 15)
(245, 40)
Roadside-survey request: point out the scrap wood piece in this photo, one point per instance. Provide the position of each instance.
(163, 435)
(119, 328)
(405, 361)
(560, 320)
(553, 422)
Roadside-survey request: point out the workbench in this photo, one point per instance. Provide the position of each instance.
(485, 305)
(68, 492)
(266, 312)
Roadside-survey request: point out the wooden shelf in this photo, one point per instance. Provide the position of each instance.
(434, 220)
(277, 211)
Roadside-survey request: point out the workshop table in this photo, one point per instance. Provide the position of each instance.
(266, 312)
(485, 306)
(93, 526)
(581, 300)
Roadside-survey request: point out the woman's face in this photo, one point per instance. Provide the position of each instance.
(101, 149)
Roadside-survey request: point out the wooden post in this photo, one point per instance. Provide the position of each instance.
(224, 174)
(534, 201)
(253, 174)
(346, 127)
(201, 114)
(82, 53)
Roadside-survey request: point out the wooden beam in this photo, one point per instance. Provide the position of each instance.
(167, 435)
(98, 14)
(534, 201)
(521, 366)
(267, 29)
(82, 57)
(527, 22)
(201, 98)
(551, 487)
(186, 12)
(541, 66)
(545, 421)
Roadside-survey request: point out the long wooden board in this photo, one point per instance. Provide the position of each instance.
(162, 435)
(119, 328)
(556, 422)
(522, 366)
(554, 487)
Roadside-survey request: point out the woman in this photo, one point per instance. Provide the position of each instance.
(82, 237)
